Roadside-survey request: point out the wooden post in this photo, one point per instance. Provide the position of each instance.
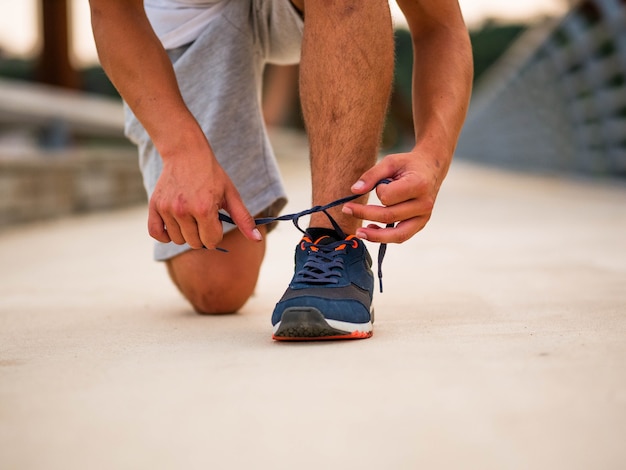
(54, 66)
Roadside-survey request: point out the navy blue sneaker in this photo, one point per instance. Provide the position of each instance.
(330, 294)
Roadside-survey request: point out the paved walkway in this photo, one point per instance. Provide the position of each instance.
(500, 343)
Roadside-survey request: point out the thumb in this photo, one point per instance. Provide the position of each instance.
(240, 215)
(368, 180)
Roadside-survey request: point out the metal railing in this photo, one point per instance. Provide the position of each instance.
(557, 98)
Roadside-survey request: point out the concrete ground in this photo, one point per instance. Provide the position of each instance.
(500, 343)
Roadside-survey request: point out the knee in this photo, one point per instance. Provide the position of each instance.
(215, 283)
(212, 303)
(213, 295)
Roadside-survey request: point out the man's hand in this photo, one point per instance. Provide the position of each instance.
(409, 198)
(185, 202)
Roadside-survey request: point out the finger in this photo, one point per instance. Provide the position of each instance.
(240, 215)
(410, 186)
(368, 180)
(156, 226)
(173, 230)
(396, 213)
(190, 232)
(210, 230)
(398, 234)
(182, 218)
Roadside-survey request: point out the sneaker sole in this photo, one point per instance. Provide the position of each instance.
(309, 324)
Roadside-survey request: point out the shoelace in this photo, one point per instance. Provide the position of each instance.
(324, 263)
(295, 217)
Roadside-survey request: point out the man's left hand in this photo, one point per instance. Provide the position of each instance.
(408, 199)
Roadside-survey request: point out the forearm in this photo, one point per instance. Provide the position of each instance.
(442, 82)
(442, 76)
(138, 66)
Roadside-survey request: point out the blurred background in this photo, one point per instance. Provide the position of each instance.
(549, 96)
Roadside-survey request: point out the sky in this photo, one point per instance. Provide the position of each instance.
(19, 24)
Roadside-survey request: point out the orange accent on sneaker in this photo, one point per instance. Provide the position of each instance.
(351, 238)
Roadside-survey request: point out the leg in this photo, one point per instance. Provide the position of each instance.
(345, 82)
(215, 282)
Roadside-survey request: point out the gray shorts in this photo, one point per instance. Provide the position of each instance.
(219, 76)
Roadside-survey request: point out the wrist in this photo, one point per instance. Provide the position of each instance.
(187, 139)
(440, 153)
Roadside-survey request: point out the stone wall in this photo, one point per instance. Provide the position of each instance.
(42, 186)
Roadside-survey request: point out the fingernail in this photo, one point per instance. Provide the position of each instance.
(257, 235)
(361, 234)
(359, 185)
(346, 210)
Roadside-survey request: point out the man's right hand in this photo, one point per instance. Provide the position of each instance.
(185, 202)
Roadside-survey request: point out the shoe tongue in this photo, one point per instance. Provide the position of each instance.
(318, 233)
(325, 240)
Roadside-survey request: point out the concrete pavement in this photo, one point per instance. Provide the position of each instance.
(500, 343)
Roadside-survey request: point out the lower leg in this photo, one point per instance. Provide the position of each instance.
(345, 81)
(214, 282)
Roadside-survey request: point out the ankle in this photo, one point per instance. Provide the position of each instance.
(347, 223)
